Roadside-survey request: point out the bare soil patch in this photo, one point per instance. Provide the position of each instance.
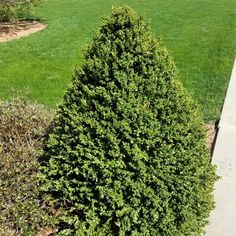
(211, 130)
(16, 30)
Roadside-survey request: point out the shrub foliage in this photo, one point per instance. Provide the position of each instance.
(22, 127)
(127, 153)
(16, 9)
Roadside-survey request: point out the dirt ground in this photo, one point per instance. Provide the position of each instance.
(211, 131)
(16, 30)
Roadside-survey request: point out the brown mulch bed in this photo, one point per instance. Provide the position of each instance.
(211, 130)
(19, 29)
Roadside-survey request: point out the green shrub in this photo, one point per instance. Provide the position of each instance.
(127, 155)
(11, 10)
(22, 127)
(7, 12)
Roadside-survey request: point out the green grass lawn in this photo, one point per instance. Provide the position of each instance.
(199, 34)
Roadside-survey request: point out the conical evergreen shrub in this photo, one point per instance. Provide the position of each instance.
(127, 154)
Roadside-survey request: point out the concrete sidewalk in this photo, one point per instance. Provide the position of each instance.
(223, 218)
